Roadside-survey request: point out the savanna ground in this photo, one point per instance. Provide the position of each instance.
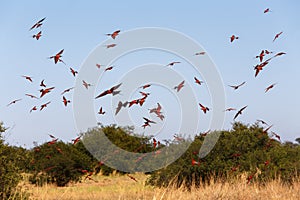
(122, 187)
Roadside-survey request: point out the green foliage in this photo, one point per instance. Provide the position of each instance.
(244, 149)
(58, 163)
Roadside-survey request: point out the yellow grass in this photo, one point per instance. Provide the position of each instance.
(122, 187)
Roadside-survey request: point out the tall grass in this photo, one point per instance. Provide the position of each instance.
(122, 187)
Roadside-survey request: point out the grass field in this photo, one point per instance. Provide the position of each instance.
(122, 187)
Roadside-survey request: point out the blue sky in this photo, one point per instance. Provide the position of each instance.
(78, 27)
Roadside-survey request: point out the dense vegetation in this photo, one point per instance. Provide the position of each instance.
(244, 149)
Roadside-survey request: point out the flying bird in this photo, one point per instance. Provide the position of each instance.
(73, 71)
(38, 24)
(198, 81)
(42, 84)
(45, 105)
(200, 53)
(37, 36)
(76, 140)
(28, 78)
(65, 101)
(260, 66)
(235, 87)
(267, 10)
(233, 37)
(145, 86)
(270, 87)
(85, 84)
(262, 121)
(31, 96)
(178, 87)
(33, 109)
(203, 108)
(67, 90)
(57, 57)
(101, 112)
(109, 68)
(229, 109)
(157, 111)
(13, 102)
(173, 63)
(267, 129)
(147, 122)
(112, 91)
(276, 135)
(114, 34)
(45, 91)
(98, 65)
(110, 45)
(277, 36)
(239, 112)
(279, 54)
(120, 105)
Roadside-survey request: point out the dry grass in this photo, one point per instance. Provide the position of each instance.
(122, 187)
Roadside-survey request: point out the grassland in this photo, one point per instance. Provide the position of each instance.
(122, 187)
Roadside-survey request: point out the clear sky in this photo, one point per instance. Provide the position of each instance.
(79, 26)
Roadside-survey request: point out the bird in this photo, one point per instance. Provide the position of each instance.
(279, 54)
(157, 111)
(262, 121)
(114, 34)
(57, 57)
(131, 177)
(32, 109)
(200, 53)
(42, 84)
(233, 37)
(173, 63)
(13, 102)
(203, 108)
(74, 72)
(235, 87)
(154, 143)
(270, 87)
(147, 122)
(194, 162)
(265, 131)
(112, 91)
(229, 109)
(85, 84)
(44, 105)
(144, 94)
(109, 68)
(52, 136)
(267, 10)
(45, 91)
(198, 81)
(37, 36)
(65, 101)
(276, 135)
(76, 140)
(277, 36)
(110, 45)
(98, 65)
(239, 112)
(260, 67)
(120, 105)
(67, 90)
(101, 112)
(28, 78)
(38, 24)
(145, 86)
(261, 55)
(178, 87)
(31, 96)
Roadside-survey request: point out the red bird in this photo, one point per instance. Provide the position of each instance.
(114, 34)
(28, 78)
(74, 72)
(194, 162)
(13, 102)
(203, 108)
(233, 37)
(267, 129)
(98, 65)
(33, 108)
(277, 35)
(65, 101)
(44, 105)
(42, 84)
(147, 122)
(178, 87)
(249, 178)
(101, 112)
(31, 96)
(239, 112)
(279, 54)
(267, 162)
(235, 87)
(38, 35)
(76, 140)
(57, 57)
(112, 91)
(198, 81)
(52, 141)
(110, 45)
(270, 87)
(145, 86)
(173, 63)
(109, 68)
(45, 91)
(229, 109)
(200, 53)
(267, 10)
(38, 24)
(120, 105)
(86, 85)
(261, 55)
(67, 90)
(154, 143)
(260, 67)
